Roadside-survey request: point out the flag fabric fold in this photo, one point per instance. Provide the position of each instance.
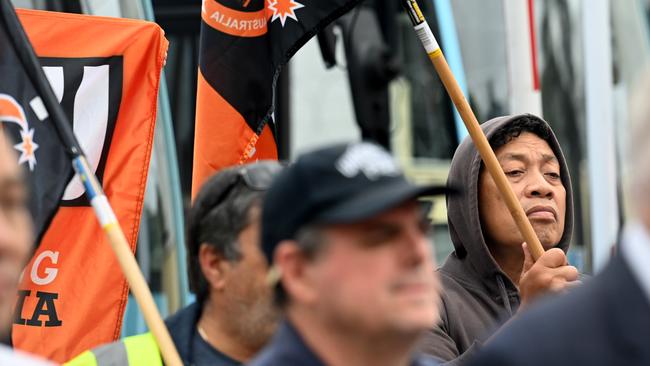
(244, 45)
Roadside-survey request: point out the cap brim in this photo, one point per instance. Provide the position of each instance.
(378, 200)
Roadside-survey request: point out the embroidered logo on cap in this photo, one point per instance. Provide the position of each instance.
(369, 159)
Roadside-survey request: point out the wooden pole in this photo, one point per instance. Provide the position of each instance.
(482, 145)
(125, 258)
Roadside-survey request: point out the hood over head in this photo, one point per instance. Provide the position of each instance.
(463, 212)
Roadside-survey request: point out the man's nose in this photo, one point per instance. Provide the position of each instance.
(538, 186)
(416, 248)
(6, 233)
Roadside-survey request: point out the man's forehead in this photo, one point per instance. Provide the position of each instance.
(545, 157)
(401, 211)
(527, 144)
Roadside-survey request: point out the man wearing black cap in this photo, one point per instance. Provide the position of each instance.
(355, 278)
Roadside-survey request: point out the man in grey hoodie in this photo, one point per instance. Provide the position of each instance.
(490, 275)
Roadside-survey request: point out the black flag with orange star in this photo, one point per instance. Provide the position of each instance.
(26, 121)
(244, 44)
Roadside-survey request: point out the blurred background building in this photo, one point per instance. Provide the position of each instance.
(574, 62)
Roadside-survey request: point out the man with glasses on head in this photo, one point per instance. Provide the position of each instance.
(351, 260)
(233, 316)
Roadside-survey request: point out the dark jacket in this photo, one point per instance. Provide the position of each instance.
(288, 349)
(604, 322)
(143, 348)
(477, 295)
(182, 328)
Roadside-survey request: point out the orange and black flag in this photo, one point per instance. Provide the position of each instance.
(105, 73)
(26, 121)
(244, 44)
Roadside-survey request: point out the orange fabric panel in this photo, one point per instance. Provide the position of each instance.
(266, 148)
(88, 292)
(222, 138)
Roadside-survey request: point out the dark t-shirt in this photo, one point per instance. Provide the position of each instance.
(288, 348)
(206, 355)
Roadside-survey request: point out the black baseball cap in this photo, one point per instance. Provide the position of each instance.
(344, 183)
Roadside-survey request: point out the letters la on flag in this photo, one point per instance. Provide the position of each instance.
(244, 44)
(105, 73)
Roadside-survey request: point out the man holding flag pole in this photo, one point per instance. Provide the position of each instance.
(489, 278)
(490, 275)
(606, 321)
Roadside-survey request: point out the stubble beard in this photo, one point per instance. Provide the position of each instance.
(254, 323)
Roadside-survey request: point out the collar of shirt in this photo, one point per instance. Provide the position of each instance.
(636, 252)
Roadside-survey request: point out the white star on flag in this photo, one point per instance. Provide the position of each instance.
(27, 148)
(283, 9)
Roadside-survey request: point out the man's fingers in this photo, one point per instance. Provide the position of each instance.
(528, 258)
(563, 278)
(568, 273)
(573, 284)
(553, 258)
(559, 284)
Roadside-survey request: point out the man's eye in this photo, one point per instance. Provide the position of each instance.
(554, 176)
(377, 236)
(425, 226)
(515, 173)
(14, 203)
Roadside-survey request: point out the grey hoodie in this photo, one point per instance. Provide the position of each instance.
(477, 295)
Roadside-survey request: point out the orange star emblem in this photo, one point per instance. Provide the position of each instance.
(11, 111)
(27, 148)
(283, 9)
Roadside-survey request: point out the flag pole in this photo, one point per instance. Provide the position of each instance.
(94, 191)
(134, 277)
(482, 145)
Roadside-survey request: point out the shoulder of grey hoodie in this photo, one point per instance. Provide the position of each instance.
(469, 314)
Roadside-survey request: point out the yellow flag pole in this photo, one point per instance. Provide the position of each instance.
(127, 262)
(482, 145)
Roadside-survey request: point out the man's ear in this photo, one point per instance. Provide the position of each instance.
(213, 265)
(293, 265)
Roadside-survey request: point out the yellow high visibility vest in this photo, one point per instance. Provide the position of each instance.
(131, 351)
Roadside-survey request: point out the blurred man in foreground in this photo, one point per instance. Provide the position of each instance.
(347, 240)
(15, 245)
(607, 321)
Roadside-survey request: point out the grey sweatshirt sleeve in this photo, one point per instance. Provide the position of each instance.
(436, 341)
(439, 345)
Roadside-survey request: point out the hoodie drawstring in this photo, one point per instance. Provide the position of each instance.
(504, 294)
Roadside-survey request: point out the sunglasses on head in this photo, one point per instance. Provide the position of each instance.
(257, 177)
